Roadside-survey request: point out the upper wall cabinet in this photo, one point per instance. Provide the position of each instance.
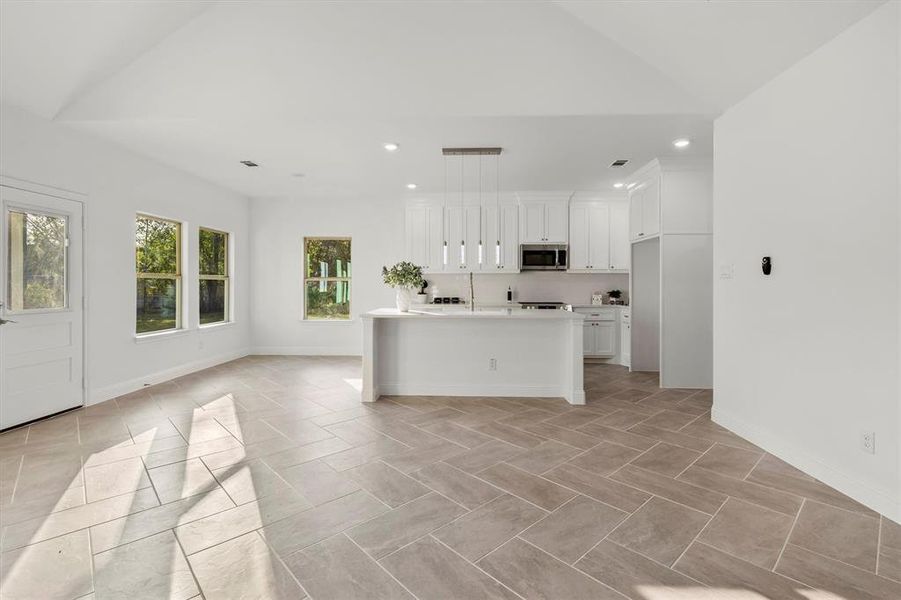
(543, 218)
(598, 237)
(468, 237)
(670, 196)
(425, 236)
(644, 207)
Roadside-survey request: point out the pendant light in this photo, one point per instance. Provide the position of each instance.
(480, 204)
(444, 214)
(462, 216)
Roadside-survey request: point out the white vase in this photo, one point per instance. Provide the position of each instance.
(404, 297)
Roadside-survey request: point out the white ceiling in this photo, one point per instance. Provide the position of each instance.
(720, 50)
(317, 87)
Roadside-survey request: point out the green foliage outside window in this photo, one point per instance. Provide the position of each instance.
(214, 280)
(37, 261)
(327, 274)
(158, 266)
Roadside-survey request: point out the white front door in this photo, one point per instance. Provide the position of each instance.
(42, 312)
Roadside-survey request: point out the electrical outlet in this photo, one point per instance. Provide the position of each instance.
(200, 344)
(868, 441)
(492, 364)
(727, 271)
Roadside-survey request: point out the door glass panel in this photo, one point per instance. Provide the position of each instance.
(36, 271)
(157, 304)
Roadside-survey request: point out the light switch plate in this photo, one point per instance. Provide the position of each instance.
(727, 271)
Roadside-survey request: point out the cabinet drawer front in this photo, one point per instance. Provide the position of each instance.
(597, 314)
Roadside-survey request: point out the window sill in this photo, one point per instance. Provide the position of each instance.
(215, 326)
(328, 321)
(162, 335)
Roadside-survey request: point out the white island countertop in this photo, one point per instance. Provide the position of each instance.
(428, 312)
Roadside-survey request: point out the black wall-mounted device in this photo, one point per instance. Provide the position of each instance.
(766, 265)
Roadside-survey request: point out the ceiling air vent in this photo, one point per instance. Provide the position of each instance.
(249, 163)
(619, 163)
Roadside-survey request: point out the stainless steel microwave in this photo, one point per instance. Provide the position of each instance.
(543, 257)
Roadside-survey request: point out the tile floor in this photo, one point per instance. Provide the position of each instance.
(266, 478)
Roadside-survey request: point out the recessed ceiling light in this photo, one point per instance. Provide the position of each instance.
(249, 163)
(681, 142)
(391, 147)
(618, 184)
(411, 186)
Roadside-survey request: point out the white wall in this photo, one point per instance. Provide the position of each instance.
(807, 172)
(118, 184)
(376, 229)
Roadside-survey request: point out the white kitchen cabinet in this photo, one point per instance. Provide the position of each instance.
(531, 219)
(644, 208)
(599, 339)
(579, 238)
(500, 227)
(557, 222)
(650, 208)
(599, 237)
(599, 331)
(544, 222)
(620, 246)
(425, 236)
(635, 199)
(464, 229)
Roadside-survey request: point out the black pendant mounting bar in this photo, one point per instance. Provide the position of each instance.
(471, 151)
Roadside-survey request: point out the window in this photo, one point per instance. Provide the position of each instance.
(158, 266)
(213, 271)
(37, 261)
(326, 279)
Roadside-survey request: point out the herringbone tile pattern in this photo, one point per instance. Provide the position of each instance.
(267, 478)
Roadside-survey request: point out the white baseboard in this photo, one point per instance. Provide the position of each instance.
(882, 501)
(428, 389)
(305, 351)
(108, 392)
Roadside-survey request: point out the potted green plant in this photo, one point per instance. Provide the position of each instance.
(614, 296)
(404, 277)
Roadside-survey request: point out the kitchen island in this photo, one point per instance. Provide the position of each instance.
(432, 351)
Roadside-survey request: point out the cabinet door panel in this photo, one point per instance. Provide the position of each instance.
(435, 249)
(456, 236)
(650, 208)
(509, 255)
(557, 222)
(605, 338)
(491, 231)
(588, 343)
(417, 235)
(620, 248)
(579, 242)
(599, 236)
(635, 214)
(532, 223)
(473, 216)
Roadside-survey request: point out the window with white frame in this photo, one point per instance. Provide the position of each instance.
(158, 270)
(326, 280)
(213, 276)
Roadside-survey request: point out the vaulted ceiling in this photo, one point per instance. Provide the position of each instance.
(317, 87)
